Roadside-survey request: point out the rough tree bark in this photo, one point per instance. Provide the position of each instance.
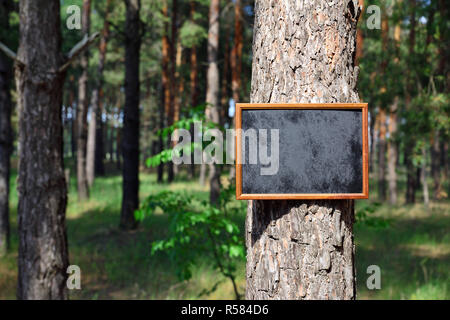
(5, 129)
(130, 142)
(212, 91)
(82, 108)
(94, 133)
(302, 52)
(43, 256)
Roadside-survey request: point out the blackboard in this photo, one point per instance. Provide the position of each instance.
(322, 151)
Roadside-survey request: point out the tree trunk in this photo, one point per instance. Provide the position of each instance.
(130, 143)
(359, 37)
(445, 162)
(393, 142)
(160, 170)
(236, 53)
(179, 89)
(95, 120)
(410, 174)
(382, 117)
(5, 129)
(224, 98)
(382, 157)
(236, 62)
(436, 165)
(73, 122)
(83, 103)
(372, 123)
(302, 249)
(194, 85)
(212, 91)
(392, 152)
(166, 83)
(43, 256)
(99, 167)
(172, 83)
(423, 177)
(411, 183)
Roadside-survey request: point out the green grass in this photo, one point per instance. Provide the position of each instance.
(413, 252)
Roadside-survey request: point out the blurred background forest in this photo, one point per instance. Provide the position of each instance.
(167, 250)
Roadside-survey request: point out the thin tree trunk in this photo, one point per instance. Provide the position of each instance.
(99, 169)
(5, 129)
(236, 62)
(436, 165)
(130, 143)
(212, 91)
(392, 152)
(359, 37)
(445, 163)
(382, 157)
(236, 53)
(423, 177)
(166, 83)
(224, 103)
(96, 119)
(411, 183)
(73, 122)
(194, 85)
(382, 117)
(43, 255)
(302, 249)
(83, 103)
(160, 138)
(172, 85)
(372, 139)
(393, 142)
(179, 89)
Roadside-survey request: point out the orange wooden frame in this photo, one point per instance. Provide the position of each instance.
(287, 196)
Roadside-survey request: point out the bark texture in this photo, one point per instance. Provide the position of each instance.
(130, 143)
(5, 129)
(212, 92)
(82, 108)
(303, 51)
(43, 256)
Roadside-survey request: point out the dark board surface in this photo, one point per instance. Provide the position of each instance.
(320, 151)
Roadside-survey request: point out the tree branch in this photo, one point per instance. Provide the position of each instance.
(9, 53)
(78, 49)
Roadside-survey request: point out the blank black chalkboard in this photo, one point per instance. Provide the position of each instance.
(322, 151)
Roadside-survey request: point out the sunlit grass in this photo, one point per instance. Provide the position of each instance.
(413, 252)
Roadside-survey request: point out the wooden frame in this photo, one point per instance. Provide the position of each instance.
(288, 196)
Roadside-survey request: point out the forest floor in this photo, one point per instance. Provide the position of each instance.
(412, 251)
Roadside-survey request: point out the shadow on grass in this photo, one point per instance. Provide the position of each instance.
(413, 255)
